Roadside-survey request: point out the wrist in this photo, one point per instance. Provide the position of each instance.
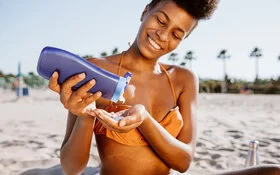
(146, 118)
(86, 120)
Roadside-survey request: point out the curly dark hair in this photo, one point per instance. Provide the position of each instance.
(199, 9)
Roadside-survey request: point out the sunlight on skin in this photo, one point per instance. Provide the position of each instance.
(157, 69)
(130, 91)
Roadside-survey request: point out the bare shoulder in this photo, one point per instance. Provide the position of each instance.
(182, 77)
(99, 60)
(105, 62)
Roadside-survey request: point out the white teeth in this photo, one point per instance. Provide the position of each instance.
(154, 44)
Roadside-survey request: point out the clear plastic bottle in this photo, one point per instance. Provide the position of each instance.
(253, 155)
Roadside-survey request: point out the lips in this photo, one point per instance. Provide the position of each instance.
(155, 45)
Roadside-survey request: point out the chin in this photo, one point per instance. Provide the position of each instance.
(147, 51)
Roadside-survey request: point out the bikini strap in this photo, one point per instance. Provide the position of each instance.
(119, 69)
(171, 84)
(120, 63)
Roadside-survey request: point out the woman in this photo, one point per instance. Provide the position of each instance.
(158, 132)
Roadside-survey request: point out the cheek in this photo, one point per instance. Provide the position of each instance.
(173, 45)
(141, 32)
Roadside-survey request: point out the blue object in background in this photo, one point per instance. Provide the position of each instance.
(22, 91)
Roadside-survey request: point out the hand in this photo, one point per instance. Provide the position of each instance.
(78, 101)
(122, 121)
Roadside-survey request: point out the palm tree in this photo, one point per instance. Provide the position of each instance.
(115, 51)
(87, 56)
(189, 57)
(223, 55)
(173, 57)
(279, 59)
(2, 74)
(104, 54)
(256, 52)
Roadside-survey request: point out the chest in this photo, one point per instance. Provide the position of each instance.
(154, 93)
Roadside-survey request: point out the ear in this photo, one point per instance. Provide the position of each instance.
(144, 12)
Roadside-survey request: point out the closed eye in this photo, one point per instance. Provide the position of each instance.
(160, 21)
(176, 36)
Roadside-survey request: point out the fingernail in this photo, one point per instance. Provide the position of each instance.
(122, 123)
(82, 75)
(91, 82)
(54, 74)
(98, 94)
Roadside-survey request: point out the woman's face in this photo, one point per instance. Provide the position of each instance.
(163, 28)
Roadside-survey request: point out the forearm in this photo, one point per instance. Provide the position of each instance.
(176, 154)
(75, 152)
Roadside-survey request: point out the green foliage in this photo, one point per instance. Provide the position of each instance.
(35, 81)
(115, 51)
(259, 86)
(87, 56)
(264, 86)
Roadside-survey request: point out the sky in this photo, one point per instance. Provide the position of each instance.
(90, 27)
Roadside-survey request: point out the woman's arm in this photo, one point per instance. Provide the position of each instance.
(76, 145)
(178, 152)
(75, 148)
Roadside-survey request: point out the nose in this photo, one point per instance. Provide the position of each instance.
(162, 34)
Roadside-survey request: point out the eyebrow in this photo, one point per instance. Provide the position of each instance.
(166, 16)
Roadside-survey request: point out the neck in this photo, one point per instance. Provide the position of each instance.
(135, 61)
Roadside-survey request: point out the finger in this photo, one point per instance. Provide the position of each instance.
(111, 114)
(84, 96)
(78, 95)
(106, 117)
(83, 90)
(66, 88)
(70, 82)
(117, 128)
(53, 82)
(122, 113)
(129, 120)
(106, 125)
(92, 98)
(112, 125)
(124, 129)
(87, 95)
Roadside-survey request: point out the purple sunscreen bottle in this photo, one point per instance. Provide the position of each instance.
(68, 64)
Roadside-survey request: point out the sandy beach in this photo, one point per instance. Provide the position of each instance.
(32, 129)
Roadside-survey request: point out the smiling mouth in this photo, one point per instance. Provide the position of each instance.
(153, 43)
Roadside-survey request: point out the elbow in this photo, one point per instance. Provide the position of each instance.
(183, 168)
(184, 164)
(71, 167)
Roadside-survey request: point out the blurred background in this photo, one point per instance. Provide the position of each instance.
(236, 51)
(234, 54)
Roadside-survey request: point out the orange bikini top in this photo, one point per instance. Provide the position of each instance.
(172, 122)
